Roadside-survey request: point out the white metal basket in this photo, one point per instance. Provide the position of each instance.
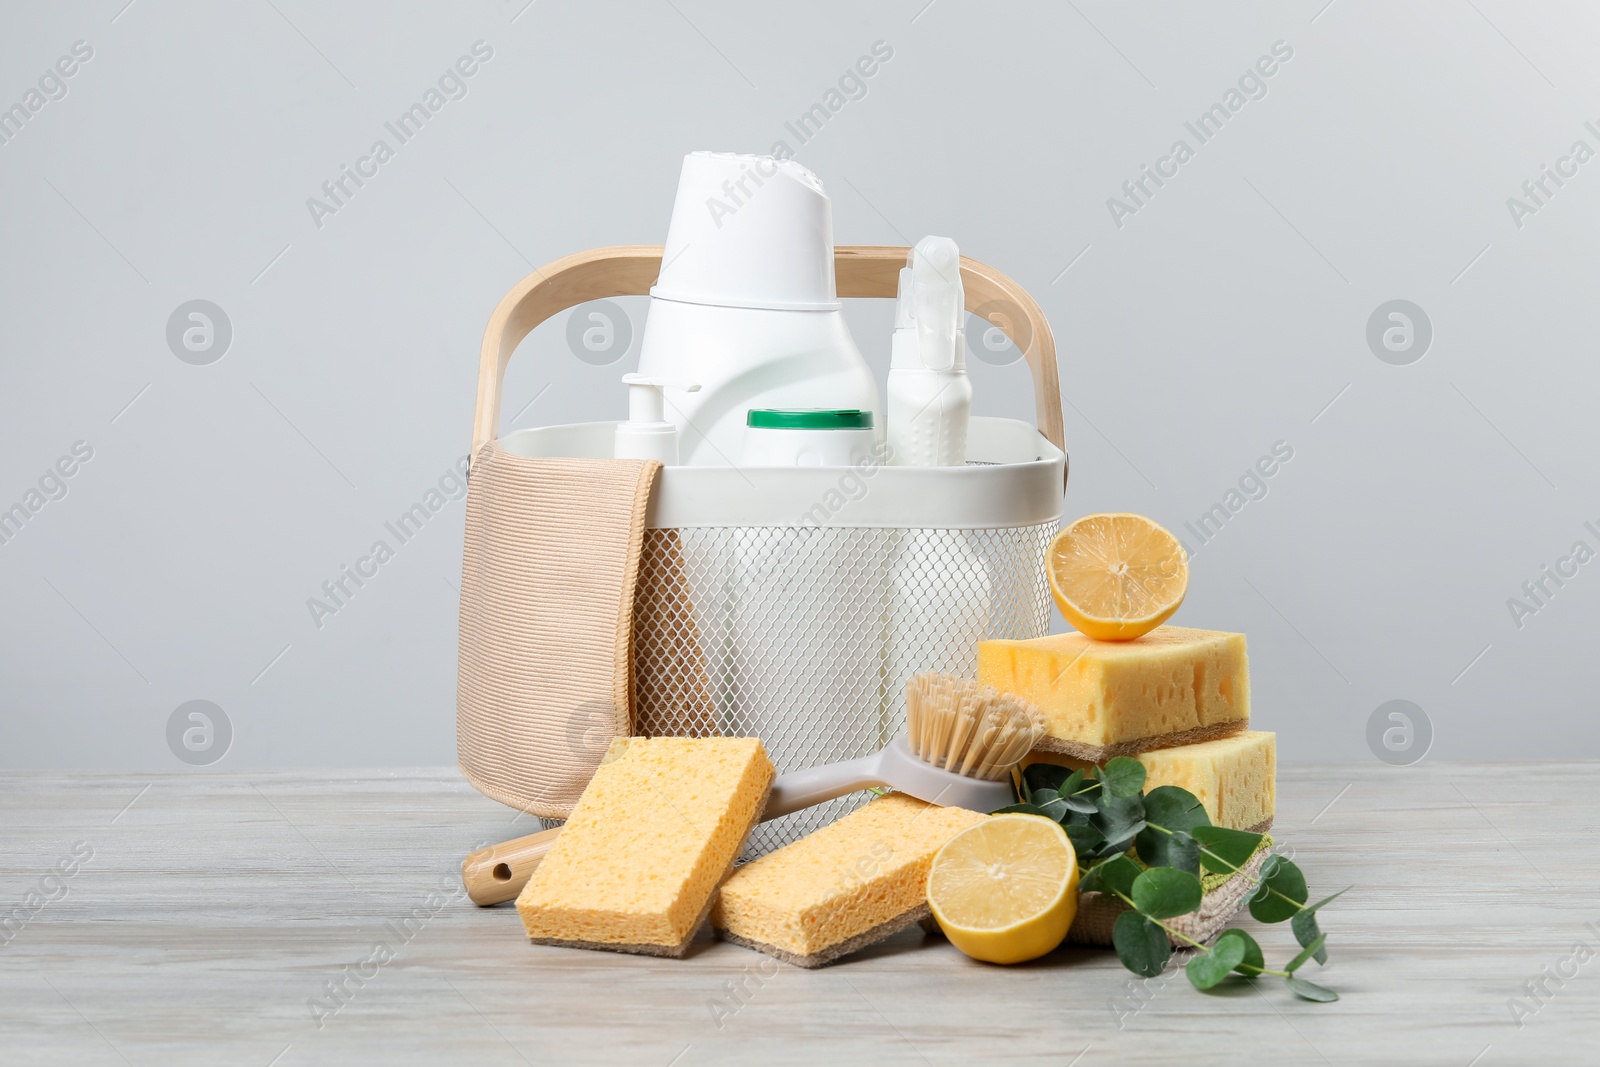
(792, 604)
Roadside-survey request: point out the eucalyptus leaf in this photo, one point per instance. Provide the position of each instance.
(1307, 932)
(1050, 803)
(1310, 990)
(1117, 874)
(1081, 805)
(1305, 954)
(1123, 777)
(1045, 776)
(1226, 850)
(1019, 809)
(1159, 848)
(1141, 945)
(1254, 962)
(1174, 808)
(1073, 784)
(1119, 819)
(1086, 841)
(1281, 893)
(1165, 892)
(1209, 968)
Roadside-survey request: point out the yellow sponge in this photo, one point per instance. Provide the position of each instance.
(655, 831)
(1173, 686)
(842, 888)
(1234, 777)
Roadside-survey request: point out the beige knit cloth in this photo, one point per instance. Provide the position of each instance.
(547, 591)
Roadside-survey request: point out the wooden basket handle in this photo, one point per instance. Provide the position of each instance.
(860, 270)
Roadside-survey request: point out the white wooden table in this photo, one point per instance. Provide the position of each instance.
(217, 908)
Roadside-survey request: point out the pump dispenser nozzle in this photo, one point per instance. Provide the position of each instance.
(647, 434)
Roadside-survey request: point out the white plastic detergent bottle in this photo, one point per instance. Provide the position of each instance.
(746, 306)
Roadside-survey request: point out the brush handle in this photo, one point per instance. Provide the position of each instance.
(798, 790)
(497, 874)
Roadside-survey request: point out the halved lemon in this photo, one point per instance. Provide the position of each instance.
(1006, 889)
(1117, 576)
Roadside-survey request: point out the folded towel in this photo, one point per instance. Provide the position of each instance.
(547, 599)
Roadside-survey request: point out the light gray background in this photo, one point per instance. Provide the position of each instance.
(1228, 314)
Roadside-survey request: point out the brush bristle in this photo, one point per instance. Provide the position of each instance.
(968, 728)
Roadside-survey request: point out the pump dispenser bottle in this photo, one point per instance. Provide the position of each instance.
(647, 434)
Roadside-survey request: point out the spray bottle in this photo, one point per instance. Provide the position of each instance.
(930, 397)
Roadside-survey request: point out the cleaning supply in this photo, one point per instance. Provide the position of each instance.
(848, 885)
(929, 396)
(935, 574)
(1116, 576)
(807, 437)
(647, 434)
(1234, 777)
(655, 832)
(746, 304)
(963, 739)
(548, 577)
(1006, 890)
(1173, 686)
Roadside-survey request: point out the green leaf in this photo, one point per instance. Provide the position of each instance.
(1044, 776)
(1074, 783)
(1281, 893)
(1305, 954)
(1306, 930)
(1019, 809)
(1123, 777)
(1174, 808)
(1160, 849)
(1310, 990)
(1209, 968)
(1141, 945)
(1229, 850)
(1116, 874)
(1163, 892)
(1329, 899)
(1082, 805)
(1050, 803)
(1254, 962)
(1086, 841)
(1119, 818)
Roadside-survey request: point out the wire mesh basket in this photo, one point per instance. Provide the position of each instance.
(792, 604)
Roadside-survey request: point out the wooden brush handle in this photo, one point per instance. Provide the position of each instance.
(497, 874)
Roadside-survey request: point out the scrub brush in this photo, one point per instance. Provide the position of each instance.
(962, 740)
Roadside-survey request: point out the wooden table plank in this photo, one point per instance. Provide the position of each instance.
(217, 908)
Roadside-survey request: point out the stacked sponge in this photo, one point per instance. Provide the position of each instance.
(1177, 700)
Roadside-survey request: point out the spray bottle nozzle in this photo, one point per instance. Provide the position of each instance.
(937, 303)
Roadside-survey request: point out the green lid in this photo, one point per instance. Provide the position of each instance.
(809, 419)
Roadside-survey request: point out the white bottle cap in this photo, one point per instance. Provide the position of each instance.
(750, 232)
